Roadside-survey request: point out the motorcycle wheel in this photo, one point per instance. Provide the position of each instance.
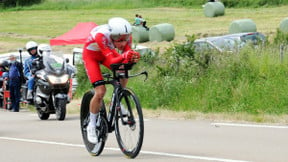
(61, 109)
(42, 115)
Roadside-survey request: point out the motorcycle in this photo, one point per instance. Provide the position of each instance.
(52, 83)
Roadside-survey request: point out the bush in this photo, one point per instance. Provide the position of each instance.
(82, 80)
(180, 60)
(253, 3)
(17, 3)
(281, 38)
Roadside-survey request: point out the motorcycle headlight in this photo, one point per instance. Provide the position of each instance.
(58, 79)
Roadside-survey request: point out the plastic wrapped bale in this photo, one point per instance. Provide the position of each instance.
(242, 26)
(162, 32)
(140, 34)
(143, 50)
(214, 9)
(284, 26)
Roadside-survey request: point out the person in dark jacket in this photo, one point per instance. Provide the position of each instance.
(15, 76)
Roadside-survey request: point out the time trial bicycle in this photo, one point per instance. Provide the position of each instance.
(129, 126)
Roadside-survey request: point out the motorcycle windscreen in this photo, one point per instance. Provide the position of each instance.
(53, 63)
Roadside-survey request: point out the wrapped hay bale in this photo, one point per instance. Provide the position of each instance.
(284, 26)
(161, 32)
(242, 26)
(213, 9)
(140, 34)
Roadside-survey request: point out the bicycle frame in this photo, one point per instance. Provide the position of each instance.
(115, 100)
(114, 105)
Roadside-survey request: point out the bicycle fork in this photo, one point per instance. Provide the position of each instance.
(130, 119)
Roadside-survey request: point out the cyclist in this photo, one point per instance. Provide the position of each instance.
(31, 48)
(100, 48)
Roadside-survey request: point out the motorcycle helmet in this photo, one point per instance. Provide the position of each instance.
(31, 45)
(4, 64)
(44, 49)
(120, 29)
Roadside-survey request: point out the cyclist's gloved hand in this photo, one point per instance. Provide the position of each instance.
(131, 56)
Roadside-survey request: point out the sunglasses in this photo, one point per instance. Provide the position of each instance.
(120, 38)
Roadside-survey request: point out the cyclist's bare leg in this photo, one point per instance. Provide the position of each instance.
(96, 102)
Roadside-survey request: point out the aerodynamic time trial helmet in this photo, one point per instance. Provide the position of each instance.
(120, 29)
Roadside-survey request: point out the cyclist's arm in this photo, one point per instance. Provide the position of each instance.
(111, 56)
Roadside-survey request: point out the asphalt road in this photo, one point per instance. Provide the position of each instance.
(25, 138)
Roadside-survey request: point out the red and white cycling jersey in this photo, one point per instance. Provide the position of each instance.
(99, 49)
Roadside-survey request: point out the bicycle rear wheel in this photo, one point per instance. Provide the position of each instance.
(129, 129)
(93, 149)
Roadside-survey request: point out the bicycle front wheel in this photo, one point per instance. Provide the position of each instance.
(129, 126)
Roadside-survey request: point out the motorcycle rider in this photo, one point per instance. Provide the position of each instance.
(31, 48)
(100, 48)
(43, 49)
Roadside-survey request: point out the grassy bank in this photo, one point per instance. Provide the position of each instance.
(254, 81)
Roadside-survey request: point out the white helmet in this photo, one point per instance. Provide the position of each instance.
(120, 29)
(44, 49)
(31, 45)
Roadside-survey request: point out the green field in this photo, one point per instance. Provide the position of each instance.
(17, 27)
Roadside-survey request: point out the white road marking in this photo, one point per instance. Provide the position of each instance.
(249, 125)
(145, 120)
(191, 157)
(117, 149)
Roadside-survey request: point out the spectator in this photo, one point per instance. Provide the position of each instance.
(15, 76)
(137, 20)
(143, 22)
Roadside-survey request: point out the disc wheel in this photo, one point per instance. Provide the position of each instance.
(93, 149)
